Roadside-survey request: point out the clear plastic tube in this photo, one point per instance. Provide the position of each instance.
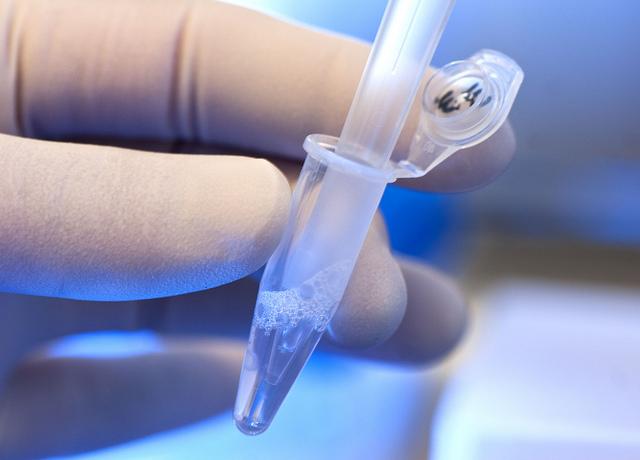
(407, 38)
(305, 278)
(338, 192)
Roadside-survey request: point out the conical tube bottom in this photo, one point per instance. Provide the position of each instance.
(272, 362)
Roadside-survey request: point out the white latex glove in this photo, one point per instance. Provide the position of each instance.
(97, 222)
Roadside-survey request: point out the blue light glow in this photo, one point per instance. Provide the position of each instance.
(109, 344)
(358, 18)
(340, 408)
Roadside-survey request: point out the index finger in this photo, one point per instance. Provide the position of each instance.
(201, 72)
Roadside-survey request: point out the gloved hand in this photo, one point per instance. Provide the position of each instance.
(82, 219)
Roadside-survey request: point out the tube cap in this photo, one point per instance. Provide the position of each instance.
(463, 104)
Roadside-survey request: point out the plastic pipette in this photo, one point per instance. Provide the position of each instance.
(341, 184)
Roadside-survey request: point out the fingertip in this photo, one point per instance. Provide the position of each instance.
(433, 324)
(269, 208)
(437, 315)
(216, 219)
(235, 210)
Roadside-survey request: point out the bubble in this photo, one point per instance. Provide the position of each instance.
(313, 301)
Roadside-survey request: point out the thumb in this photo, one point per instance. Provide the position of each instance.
(102, 223)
